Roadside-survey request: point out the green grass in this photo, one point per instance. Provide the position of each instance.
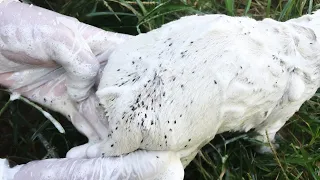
(26, 135)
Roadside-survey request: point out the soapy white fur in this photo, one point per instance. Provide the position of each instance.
(176, 87)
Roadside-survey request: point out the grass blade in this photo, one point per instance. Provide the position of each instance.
(310, 6)
(286, 10)
(230, 7)
(6, 105)
(247, 7)
(143, 9)
(268, 9)
(109, 14)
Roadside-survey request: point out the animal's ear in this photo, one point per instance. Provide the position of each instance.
(108, 97)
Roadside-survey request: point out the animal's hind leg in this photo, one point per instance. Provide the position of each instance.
(266, 135)
(267, 130)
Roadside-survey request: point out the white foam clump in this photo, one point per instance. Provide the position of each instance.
(14, 96)
(54, 121)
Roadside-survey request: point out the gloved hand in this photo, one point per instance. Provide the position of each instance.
(54, 60)
(51, 58)
(33, 37)
(139, 165)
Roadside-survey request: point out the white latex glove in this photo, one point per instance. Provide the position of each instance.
(139, 165)
(34, 36)
(44, 55)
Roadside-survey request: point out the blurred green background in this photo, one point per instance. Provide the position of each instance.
(26, 135)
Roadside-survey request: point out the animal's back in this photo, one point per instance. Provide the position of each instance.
(177, 86)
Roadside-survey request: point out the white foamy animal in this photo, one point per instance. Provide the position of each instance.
(176, 87)
(172, 89)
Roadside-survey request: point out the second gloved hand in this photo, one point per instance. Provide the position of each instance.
(139, 165)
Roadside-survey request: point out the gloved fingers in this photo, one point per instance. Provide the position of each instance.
(47, 87)
(86, 116)
(139, 165)
(78, 151)
(34, 43)
(52, 93)
(152, 165)
(94, 113)
(85, 127)
(43, 38)
(80, 64)
(89, 150)
(30, 79)
(24, 33)
(35, 37)
(95, 150)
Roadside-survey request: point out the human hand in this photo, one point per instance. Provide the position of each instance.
(51, 65)
(33, 37)
(53, 60)
(139, 165)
